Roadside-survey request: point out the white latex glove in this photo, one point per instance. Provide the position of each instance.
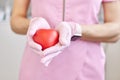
(66, 31)
(35, 24)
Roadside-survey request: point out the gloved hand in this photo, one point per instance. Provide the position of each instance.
(66, 31)
(35, 24)
(41, 23)
(50, 53)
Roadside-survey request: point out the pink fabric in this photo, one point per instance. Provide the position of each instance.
(82, 60)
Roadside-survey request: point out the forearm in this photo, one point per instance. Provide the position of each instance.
(19, 24)
(108, 32)
(19, 21)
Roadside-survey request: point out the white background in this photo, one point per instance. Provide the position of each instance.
(11, 51)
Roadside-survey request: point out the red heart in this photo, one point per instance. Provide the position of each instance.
(46, 37)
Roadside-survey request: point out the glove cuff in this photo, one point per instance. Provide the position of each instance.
(78, 30)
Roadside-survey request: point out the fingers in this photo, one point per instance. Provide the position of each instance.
(53, 49)
(47, 59)
(37, 23)
(64, 33)
(64, 38)
(34, 46)
(47, 63)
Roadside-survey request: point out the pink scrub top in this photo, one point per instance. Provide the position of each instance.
(82, 60)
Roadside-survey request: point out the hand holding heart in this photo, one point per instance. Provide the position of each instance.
(47, 47)
(47, 42)
(35, 24)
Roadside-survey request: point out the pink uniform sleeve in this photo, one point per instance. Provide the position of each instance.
(108, 0)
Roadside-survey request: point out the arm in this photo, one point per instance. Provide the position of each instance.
(19, 21)
(110, 30)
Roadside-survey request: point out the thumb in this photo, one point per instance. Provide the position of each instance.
(65, 36)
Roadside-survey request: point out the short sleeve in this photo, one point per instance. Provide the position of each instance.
(108, 0)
